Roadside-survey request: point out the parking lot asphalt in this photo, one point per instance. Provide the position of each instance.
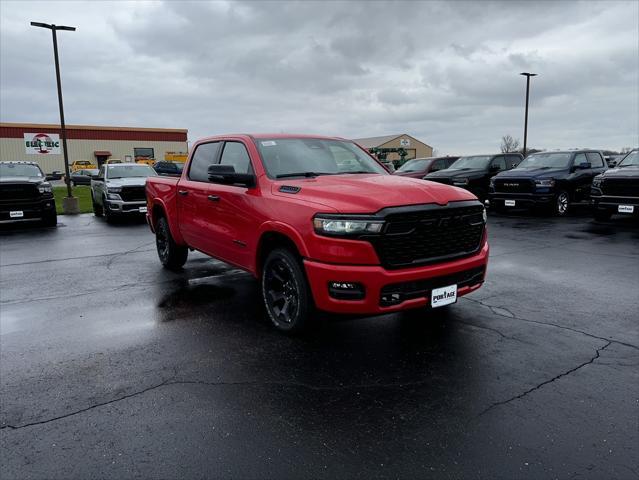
(112, 367)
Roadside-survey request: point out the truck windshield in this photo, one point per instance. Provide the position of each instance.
(475, 161)
(304, 157)
(547, 160)
(129, 171)
(632, 159)
(19, 170)
(416, 165)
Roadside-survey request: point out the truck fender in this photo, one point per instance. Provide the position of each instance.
(171, 218)
(283, 229)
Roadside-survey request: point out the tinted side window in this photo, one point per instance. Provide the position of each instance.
(595, 159)
(450, 161)
(512, 161)
(579, 159)
(499, 162)
(235, 154)
(204, 156)
(438, 165)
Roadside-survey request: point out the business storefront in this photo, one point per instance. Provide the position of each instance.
(42, 143)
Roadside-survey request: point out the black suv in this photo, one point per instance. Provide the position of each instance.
(551, 180)
(25, 194)
(473, 172)
(617, 190)
(168, 168)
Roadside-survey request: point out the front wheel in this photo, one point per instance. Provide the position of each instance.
(172, 255)
(562, 204)
(98, 211)
(285, 292)
(50, 219)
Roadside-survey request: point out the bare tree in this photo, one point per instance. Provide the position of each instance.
(509, 144)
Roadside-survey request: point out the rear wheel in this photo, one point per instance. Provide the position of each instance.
(562, 204)
(285, 292)
(172, 255)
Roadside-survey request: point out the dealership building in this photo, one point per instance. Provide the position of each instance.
(41, 143)
(414, 148)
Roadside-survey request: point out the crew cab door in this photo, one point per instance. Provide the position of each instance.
(581, 178)
(232, 208)
(193, 189)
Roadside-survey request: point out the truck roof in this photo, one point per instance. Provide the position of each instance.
(270, 136)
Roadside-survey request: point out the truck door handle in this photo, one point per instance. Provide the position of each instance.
(183, 192)
(214, 198)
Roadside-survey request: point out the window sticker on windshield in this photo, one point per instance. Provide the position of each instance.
(268, 143)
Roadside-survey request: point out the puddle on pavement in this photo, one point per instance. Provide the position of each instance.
(191, 295)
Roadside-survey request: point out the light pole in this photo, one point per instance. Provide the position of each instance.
(69, 204)
(527, 75)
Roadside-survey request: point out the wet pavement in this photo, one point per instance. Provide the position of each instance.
(112, 367)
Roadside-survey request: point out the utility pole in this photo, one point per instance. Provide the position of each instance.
(527, 75)
(70, 203)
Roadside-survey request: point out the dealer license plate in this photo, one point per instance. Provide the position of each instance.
(626, 208)
(142, 209)
(443, 296)
(509, 203)
(16, 214)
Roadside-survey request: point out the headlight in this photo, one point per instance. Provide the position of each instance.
(113, 196)
(44, 188)
(114, 189)
(545, 183)
(338, 226)
(460, 182)
(597, 181)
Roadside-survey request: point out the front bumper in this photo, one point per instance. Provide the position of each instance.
(611, 203)
(375, 278)
(31, 210)
(522, 200)
(122, 207)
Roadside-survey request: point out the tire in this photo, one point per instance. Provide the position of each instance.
(98, 211)
(285, 292)
(50, 219)
(108, 216)
(602, 215)
(171, 255)
(562, 204)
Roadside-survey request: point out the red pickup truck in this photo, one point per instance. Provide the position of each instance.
(321, 224)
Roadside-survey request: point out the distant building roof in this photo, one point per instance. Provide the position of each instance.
(371, 142)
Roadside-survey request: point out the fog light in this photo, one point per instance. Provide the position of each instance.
(346, 290)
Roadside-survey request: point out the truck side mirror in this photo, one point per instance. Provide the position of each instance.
(226, 175)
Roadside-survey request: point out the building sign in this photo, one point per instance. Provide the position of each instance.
(42, 143)
(404, 142)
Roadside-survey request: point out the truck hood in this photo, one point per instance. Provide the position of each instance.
(452, 174)
(532, 173)
(35, 180)
(127, 182)
(623, 172)
(363, 193)
(419, 174)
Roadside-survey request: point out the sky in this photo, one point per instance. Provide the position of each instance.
(446, 73)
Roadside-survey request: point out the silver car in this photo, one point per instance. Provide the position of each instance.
(119, 189)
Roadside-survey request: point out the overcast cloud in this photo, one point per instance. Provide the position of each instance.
(446, 73)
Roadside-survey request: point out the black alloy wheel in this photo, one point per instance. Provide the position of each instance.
(172, 256)
(285, 292)
(562, 203)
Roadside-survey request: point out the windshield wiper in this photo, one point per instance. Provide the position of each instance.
(303, 174)
(357, 171)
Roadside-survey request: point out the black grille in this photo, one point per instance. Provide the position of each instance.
(133, 194)
(397, 293)
(13, 192)
(621, 187)
(514, 185)
(428, 236)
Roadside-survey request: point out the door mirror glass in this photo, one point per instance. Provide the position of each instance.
(226, 175)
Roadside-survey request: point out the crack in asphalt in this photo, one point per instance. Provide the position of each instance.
(506, 313)
(542, 384)
(121, 254)
(52, 260)
(169, 382)
(484, 327)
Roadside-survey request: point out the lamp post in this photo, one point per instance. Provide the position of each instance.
(527, 75)
(69, 204)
